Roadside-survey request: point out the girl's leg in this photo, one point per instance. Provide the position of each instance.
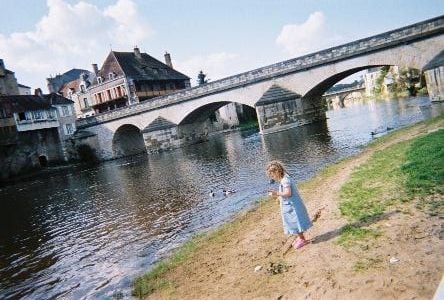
(301, 236)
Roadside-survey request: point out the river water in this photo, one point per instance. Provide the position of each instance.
(87, 232)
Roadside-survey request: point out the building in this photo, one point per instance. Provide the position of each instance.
(434, 75)
(24, 90)
(55, 83)
(77, 91)
(127, 78)
(8, 82)
(34, 130)
(371, 78)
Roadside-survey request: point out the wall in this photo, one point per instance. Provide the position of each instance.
(24, 154)
(435, 83)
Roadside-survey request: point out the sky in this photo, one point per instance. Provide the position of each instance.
(39, 38)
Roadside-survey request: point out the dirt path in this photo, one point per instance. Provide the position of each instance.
(225, 267)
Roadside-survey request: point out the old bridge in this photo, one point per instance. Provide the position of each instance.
(284, 95)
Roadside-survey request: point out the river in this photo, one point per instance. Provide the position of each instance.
(88, 232)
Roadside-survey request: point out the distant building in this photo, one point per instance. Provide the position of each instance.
(127, 78)
(56, 83)
(77, 91)
(434, 75)
(370, 80)
(24, 90)
(8, 82)
(34, 130)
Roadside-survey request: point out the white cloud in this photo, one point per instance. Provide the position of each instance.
(215, 65)
(71, 36)
(312, 35)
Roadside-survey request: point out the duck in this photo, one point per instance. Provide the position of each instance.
(211, 193)
(226, 192)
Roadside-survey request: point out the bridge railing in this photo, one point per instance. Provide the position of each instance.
(359, 47)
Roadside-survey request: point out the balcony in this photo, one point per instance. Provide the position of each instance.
(27, 125)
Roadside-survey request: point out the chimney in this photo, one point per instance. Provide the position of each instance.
(38, 92)
(137, 52)
(168, 60)
(95, 69)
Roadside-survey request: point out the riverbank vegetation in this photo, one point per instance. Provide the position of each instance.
(381, 205)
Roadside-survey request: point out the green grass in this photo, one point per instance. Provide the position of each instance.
(408, 170)
(353, 234)
(424, 166)
(375, 185)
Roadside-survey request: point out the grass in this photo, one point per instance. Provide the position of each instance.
(351, 234)
(154, 280)
(365, 264)
(424, 166)
(408, 170)
(375, 185)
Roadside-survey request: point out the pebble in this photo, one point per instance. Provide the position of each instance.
(393, 260)
(258, 268)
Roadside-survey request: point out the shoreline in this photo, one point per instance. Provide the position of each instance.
(237, 243)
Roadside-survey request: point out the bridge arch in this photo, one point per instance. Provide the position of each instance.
(127, 140)
(331, 79)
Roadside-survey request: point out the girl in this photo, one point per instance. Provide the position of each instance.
(294, 214)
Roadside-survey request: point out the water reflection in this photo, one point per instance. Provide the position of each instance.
(88, 232)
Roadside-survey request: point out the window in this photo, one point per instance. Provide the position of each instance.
(99, 79)
(111, 76)
(65, 111)
(22, 116)
(85, 102)
(82, 88)
(37, 115)
(51, 114)
(69, 129)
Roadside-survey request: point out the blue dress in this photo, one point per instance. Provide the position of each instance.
(294, 214)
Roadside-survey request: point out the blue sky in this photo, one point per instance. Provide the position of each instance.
(42, 38)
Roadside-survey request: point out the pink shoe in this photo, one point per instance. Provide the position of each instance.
(299, 243)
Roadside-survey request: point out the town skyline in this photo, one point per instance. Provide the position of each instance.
(54, 36)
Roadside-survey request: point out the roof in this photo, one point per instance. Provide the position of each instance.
(437, 61)
(275, 94)
(22, 103)
(24, 86)
(146, 67)
(57, 99)
(58, 81)
(159, 124)
(74, 85)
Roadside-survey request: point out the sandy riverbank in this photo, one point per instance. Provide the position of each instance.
(404, 262)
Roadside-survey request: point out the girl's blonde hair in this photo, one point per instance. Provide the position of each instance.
(275, 167)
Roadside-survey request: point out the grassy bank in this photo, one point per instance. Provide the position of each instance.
(402, 173)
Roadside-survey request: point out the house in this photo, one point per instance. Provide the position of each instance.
(24, 90)
(34, 131)
(8, 82)
(77, 91)
(56, 83)
(127, 78)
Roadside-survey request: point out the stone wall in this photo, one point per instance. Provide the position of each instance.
(24, 154)
(283, 115)
(435, 83)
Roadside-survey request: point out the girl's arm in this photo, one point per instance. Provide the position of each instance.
(285, 193)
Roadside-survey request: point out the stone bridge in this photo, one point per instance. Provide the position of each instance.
(284, 94)
(338, 97)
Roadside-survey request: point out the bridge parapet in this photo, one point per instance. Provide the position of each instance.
(385, 40)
